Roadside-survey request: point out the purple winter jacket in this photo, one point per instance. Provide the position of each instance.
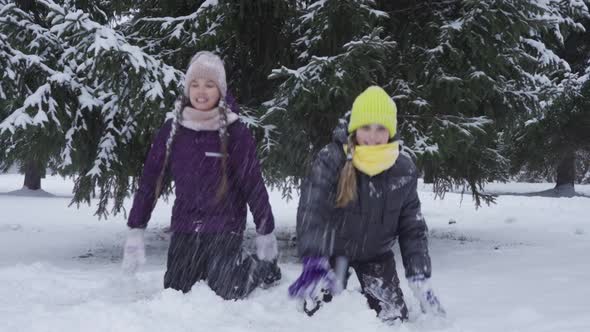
(195, 167)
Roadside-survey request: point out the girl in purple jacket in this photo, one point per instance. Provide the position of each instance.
(211, 157)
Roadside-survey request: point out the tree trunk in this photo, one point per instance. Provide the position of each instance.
(428, 170)
(566, 175)
(566, 171)
(33, 176)
(428, 176)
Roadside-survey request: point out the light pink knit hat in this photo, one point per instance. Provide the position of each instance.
(209, 66)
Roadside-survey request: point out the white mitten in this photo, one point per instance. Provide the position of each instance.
(134, 250)
(266, 247)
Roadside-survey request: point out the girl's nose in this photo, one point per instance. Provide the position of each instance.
(372, 139)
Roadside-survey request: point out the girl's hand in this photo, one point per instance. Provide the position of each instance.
(422, 290)
(316, 284)
(134, 251)
(266, 247)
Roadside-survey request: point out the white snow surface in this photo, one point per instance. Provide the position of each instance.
(520, 265)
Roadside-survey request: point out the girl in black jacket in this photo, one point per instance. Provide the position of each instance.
(358, 200)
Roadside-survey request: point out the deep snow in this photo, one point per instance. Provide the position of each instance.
(520, 265)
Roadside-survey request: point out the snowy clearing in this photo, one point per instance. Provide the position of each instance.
(520, 265)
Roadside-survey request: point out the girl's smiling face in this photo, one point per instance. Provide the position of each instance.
(373, 134)
(204, 94)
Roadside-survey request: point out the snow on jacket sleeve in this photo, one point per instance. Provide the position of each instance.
(315, 234)
(245, 163)
(144, 200)
(413, 235)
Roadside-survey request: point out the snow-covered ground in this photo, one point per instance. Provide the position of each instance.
(521, 265)
(499, 188)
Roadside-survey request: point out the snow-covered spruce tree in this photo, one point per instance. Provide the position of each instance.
(465, 72)
(549, 143)
(94, 99)
(256, 37)
(340, 51)
(452, 145)
(173, 33)
(28, 55)
(557, 144)
(252, 36)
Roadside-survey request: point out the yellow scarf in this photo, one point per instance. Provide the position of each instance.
(374, 159)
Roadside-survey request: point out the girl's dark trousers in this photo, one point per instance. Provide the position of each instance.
(381, 286)
(217, 259)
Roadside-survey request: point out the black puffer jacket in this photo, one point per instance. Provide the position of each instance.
(386, 208)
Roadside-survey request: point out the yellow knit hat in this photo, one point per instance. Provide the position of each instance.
(373, 106)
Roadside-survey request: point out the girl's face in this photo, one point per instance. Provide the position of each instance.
(204, 94)
(373, 134)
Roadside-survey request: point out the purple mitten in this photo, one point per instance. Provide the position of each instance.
(316, 272)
